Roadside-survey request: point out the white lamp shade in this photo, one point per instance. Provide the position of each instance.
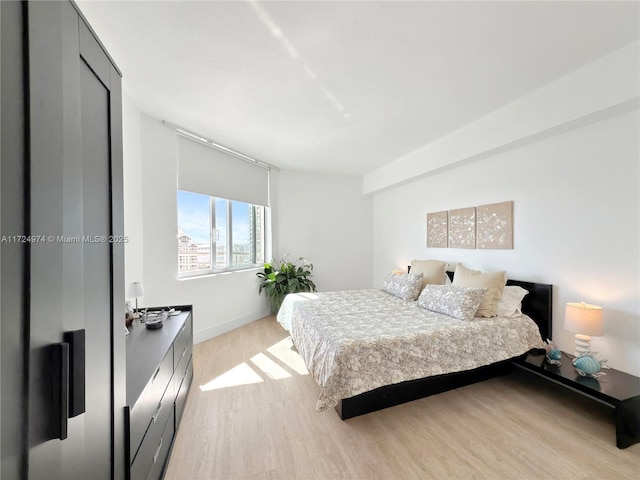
(135, 290)
(583, 318)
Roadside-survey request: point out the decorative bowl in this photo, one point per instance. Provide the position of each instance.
(154, 320)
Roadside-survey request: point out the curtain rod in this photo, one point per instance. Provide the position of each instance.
(209, 143)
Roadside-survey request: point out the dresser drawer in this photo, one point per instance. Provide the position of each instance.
(162, 376)
(142, 413)
(162, 449)
(183, 356)
(183, 389)
(144, 460)
(184, 337)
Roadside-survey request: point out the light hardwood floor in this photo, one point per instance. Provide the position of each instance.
(251, 415)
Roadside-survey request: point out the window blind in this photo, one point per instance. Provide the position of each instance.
(206, 170)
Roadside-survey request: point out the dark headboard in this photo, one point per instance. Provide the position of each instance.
(538, 304)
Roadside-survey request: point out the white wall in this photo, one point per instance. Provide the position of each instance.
(322, 217)
(326, 219)
(133, 252)
(220, 302)
(576, 223)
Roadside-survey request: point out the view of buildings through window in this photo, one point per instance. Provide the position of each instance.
(216, 234)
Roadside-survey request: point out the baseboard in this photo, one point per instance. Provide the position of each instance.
(208, 333)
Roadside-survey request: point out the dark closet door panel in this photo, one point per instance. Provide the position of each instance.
(48, 114)
(93, 55)
(77, 277)
(13, 222)
(97, 267)
(117, 278)
(61, 174)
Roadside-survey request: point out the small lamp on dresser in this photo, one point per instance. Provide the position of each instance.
(135, 290)
(584, 320)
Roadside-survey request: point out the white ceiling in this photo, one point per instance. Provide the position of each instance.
(345, 87)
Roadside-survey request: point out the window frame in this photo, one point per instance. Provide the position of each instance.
(214, 235)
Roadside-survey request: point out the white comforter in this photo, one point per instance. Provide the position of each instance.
(356, 341)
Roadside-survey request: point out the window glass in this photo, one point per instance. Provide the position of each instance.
(216, 234)
(221, 231)
(242, 236)
(259, 233)
(194, 232)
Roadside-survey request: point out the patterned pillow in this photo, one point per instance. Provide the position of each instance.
(405, 285)
(457, 302)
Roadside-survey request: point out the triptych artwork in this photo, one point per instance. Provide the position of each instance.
(485, 227)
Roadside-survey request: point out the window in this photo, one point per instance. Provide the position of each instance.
(217, 234)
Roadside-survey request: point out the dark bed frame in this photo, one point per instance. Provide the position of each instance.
(537, 304)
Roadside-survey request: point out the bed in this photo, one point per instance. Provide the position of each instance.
(369, 350)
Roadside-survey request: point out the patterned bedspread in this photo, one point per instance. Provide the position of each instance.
(356, 341)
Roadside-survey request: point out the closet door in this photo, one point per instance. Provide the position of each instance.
(13, 254)
(75, 274)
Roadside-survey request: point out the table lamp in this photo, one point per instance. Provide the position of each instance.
(135, 290)
(584, 320)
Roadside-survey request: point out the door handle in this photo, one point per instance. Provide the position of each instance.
(60, 391)
(77, 381)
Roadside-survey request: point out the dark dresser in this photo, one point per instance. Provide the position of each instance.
(159, 374)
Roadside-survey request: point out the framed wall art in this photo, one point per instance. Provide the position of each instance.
(462, 228)
(494, 226)
(437, 229)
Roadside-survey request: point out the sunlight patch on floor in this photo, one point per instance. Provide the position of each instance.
(241, 374)
(269, 367)
(287, 354)
(244, 374)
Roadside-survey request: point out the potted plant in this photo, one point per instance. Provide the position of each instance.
(281, 278)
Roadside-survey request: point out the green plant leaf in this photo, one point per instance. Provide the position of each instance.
(280, 278)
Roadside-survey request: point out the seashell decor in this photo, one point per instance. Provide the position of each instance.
(588, 366)
(552, 353)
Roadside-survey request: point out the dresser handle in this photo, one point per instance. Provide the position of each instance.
(153, 379)
(184, 351)
(155, 417)
(183, 327)
(155, 457)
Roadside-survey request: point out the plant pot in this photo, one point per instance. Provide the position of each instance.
(276, 303)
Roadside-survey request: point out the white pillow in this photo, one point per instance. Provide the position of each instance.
(432, 271)
(494, 282)
(510, 304)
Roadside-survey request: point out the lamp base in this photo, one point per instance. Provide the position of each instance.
(582, 343)
(136, 312)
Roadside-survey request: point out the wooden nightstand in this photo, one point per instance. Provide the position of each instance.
(616, 389)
